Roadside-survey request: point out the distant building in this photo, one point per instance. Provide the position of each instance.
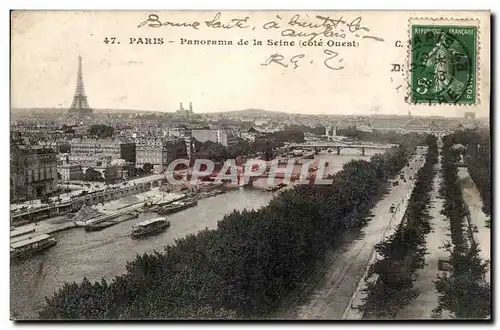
(157, 152)
(59, 145)
(365, 128)
(113, 174)
(261, 122)
(90, 150)
(181, 112)
(176, 132)
(70, 172)
(331, 131)
(470, 116)
(33, 171)
(203, 135)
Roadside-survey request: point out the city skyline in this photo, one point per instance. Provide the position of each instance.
(235, 111)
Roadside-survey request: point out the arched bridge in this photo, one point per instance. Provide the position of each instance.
(339, 146)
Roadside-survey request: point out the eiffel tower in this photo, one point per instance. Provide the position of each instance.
(80, 106)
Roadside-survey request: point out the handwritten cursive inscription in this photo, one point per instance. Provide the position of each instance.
(299, 30)
(235, 22)
(325, 27)
(332, 61)
(154, 21)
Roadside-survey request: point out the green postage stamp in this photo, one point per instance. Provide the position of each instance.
(443, 64)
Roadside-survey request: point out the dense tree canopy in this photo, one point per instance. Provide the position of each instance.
(101, 131)
(93, 175)
(318, 130)
(147, 168)
(245, 266)
(464, 291)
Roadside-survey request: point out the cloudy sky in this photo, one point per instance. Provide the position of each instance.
(46, 45)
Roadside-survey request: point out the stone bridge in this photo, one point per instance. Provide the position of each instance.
(339, 146)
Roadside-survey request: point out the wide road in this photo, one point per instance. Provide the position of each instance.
(336, 283)
(477, 216)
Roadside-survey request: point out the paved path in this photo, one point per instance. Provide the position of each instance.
(340, 279)
(477, 216)
(46, 227)
(94, 187)
(422, 306)
(59, 223)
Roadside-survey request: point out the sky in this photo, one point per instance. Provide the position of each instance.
(157, 77)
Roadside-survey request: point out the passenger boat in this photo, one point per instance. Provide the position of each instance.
(31, 245)
(149, 227)
(177, 206)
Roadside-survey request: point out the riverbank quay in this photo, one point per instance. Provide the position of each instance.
(34, 212)
(110, 210)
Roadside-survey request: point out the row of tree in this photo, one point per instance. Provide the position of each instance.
(463, 291)
(244, 267)
(92, 175)
(101, 131)
(478, 162)
(263, 145)
(402, 253)
(477, 156)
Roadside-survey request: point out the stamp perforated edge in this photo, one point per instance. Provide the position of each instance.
(443, 21)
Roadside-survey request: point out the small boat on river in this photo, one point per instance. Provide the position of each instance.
(108, 223)
(150, 227)
(177, 206)
(100, 225)
(276, 187)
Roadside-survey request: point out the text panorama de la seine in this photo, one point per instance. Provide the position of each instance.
(271, 42)
(241, 42)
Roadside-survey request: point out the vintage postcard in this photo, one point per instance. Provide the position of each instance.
(257, 165)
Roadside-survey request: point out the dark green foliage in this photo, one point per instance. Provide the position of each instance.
(280, 137)
(403, 252)
(101, 131)
(245, 266)
(64, 148)
(93, 175)
(318, 130)
(219, 153)
(464, 291)
(147, 168)
(478, 160)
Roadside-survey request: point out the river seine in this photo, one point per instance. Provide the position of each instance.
(105, 253)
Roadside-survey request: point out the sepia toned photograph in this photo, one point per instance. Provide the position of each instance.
(250, 165)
